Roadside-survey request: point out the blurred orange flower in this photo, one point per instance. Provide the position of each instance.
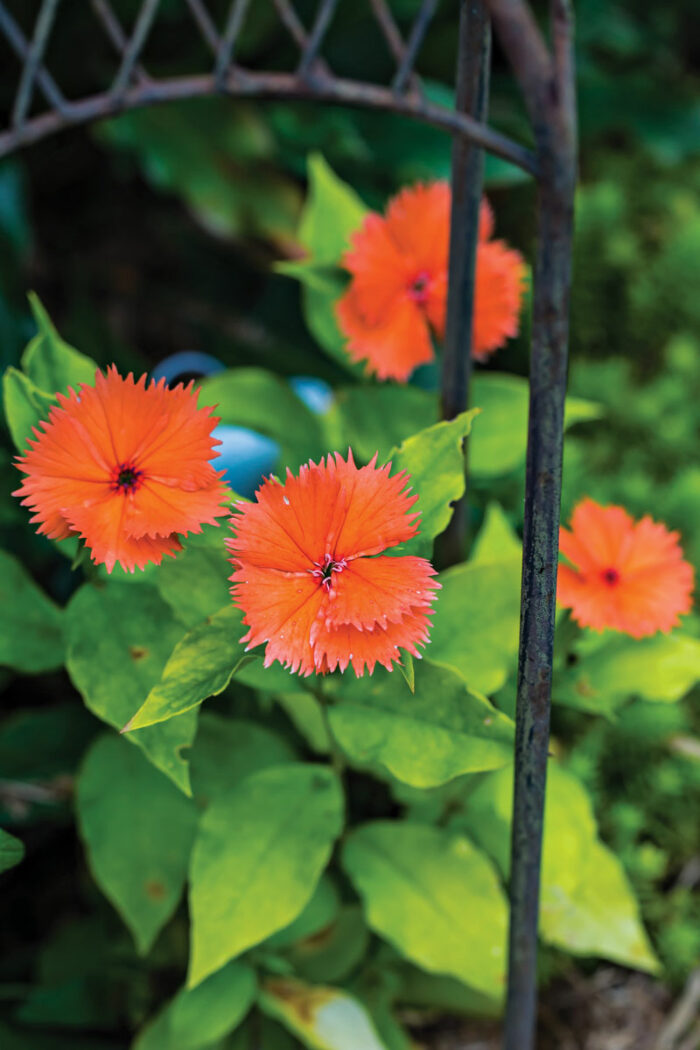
(307, 576)
(397, 295)
(627, 576)
(126, 467)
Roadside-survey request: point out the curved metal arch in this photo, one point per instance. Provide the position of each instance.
(132, 87)
(545, 75)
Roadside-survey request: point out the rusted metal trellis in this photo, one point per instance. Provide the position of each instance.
(544, 72)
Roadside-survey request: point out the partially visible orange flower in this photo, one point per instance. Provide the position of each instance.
(627, 576)
(308, 576)
(126, 467)
(397, 295)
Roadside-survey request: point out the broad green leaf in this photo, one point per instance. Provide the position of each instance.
(434, 896)
(434, 459)
(247, 883)
(446, 994)
(323, 1018)
(333, 952)
(476, 622)
(198, 1017)
(332, 212)
(305, 713)
(227, 750)
(31, 626)
(25, 405)
(51, 363)
(11, 850)
(252, 397)
(319, 913)
(201, 665)
(425, 739)
(500, 439)
(497, 540)
(138, 830)
(587, 906)
(118, 640)
(195, 584)
(662, 668)
(377, 418)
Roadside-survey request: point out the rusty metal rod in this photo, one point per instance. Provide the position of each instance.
(318, 31)
(17, 41)
(415, 39)
(272, 86)
(474, 60)
(134, 47)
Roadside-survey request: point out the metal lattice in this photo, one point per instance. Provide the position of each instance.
(133, 86)
(544, 72)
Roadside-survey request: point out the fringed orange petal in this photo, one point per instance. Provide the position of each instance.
(340, 647)
(393, 346)
(376, 591)
(625, 576)
(498, 288)
(418, 222)
(155, 509)
(280, 609)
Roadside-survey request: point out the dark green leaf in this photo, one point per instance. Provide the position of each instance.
(138, 831)
(31, 626)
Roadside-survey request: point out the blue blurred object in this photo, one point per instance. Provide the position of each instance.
(316, 395)
(245, 456)
(190, 363)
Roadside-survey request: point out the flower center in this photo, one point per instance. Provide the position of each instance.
(610, 576)
(126, 478)
(418, 288)
(324, 570)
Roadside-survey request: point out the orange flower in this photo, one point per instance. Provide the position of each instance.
(398, 293)
(126, 467)
(629, 576)
(307, 576)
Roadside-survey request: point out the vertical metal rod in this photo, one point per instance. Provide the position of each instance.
(134, 47)
(44, 21)
(555, 130)
(474, 59)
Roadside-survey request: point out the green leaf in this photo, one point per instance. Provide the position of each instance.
(587, 906)
(201, 665)
(138, 831)
(11, 850)
(25, 405)
(31, 626)
(119, 637)
(305, 713)
(476, 622)
(609, 671)
(441, 732)
(497, 540)
(217, 158)
(500, 440)
(321, 911)
(334, 952)
(198, 1017)
(195, 584)
(227, 750)
(420, 989)
(51, 363)
(246, 885)
(377, 418)
(318, 306)
(332, 212)
(434, 896)
(434, 459)
(323, 1018)
(252, 397)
